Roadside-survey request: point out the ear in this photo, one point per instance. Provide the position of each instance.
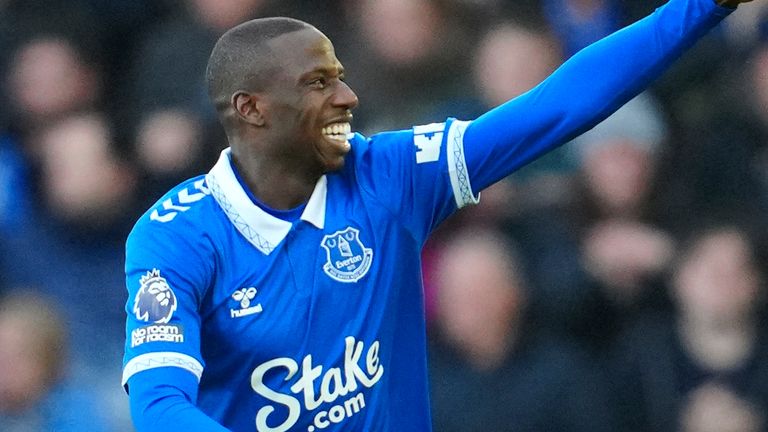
(249, 107)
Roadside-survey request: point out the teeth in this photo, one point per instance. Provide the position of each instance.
(337, 130)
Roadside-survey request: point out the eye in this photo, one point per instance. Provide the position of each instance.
(319, 83)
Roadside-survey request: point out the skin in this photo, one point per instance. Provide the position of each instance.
(276, 136)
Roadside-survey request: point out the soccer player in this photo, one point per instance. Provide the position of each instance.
(281, 290)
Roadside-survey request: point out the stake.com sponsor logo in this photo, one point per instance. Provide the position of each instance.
(335, 383)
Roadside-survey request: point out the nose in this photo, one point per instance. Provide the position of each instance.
(345, 97)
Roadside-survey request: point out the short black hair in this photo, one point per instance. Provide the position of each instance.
(241, 57)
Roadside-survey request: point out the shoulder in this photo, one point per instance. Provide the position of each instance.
(363, 145)
(184, 200)
(425, 140)
(382, 147)
(186, 211)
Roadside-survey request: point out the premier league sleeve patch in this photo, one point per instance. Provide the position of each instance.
(155, 303)
(348, 259)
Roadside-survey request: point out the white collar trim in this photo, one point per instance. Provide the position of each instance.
(260, 228)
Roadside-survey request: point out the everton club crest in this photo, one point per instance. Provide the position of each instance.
(348, 259)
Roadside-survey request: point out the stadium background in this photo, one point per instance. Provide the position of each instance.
(620, 276)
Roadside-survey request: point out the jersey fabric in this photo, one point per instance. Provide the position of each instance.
(262, 324)
(304, 325)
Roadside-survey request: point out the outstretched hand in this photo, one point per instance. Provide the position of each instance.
(731, 3)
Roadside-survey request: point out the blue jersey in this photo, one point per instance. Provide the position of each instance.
(318, 324)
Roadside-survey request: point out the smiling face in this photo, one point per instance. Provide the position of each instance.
(307, 105)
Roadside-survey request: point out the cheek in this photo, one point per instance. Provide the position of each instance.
(308, 123)
(299, 118)
(313, 106)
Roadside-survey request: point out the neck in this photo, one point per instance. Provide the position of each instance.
(278, 183)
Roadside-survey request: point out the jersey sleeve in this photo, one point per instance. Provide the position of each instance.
(168, 271)
(418, 174)
(586, 89)
(158, 406)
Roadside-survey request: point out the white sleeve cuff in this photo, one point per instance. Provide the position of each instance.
(457, 165)
(161, 359)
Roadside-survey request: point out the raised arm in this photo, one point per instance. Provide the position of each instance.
(586, 89)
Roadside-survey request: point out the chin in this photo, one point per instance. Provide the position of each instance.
(334, 165)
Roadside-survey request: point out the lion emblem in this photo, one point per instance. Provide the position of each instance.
(155, 302)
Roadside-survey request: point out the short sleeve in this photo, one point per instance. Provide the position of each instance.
(419, 174)
(168, 270)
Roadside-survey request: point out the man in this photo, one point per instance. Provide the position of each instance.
(281, 291)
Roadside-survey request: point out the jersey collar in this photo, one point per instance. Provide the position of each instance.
(260, 228)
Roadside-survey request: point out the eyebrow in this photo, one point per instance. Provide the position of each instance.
(337, 69)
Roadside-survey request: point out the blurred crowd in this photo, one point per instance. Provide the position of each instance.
(616, 284)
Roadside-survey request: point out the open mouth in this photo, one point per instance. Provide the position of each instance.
(337, 131)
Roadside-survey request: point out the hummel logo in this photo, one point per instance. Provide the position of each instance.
(244, 297)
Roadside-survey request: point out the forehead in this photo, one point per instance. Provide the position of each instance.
(303, 51)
